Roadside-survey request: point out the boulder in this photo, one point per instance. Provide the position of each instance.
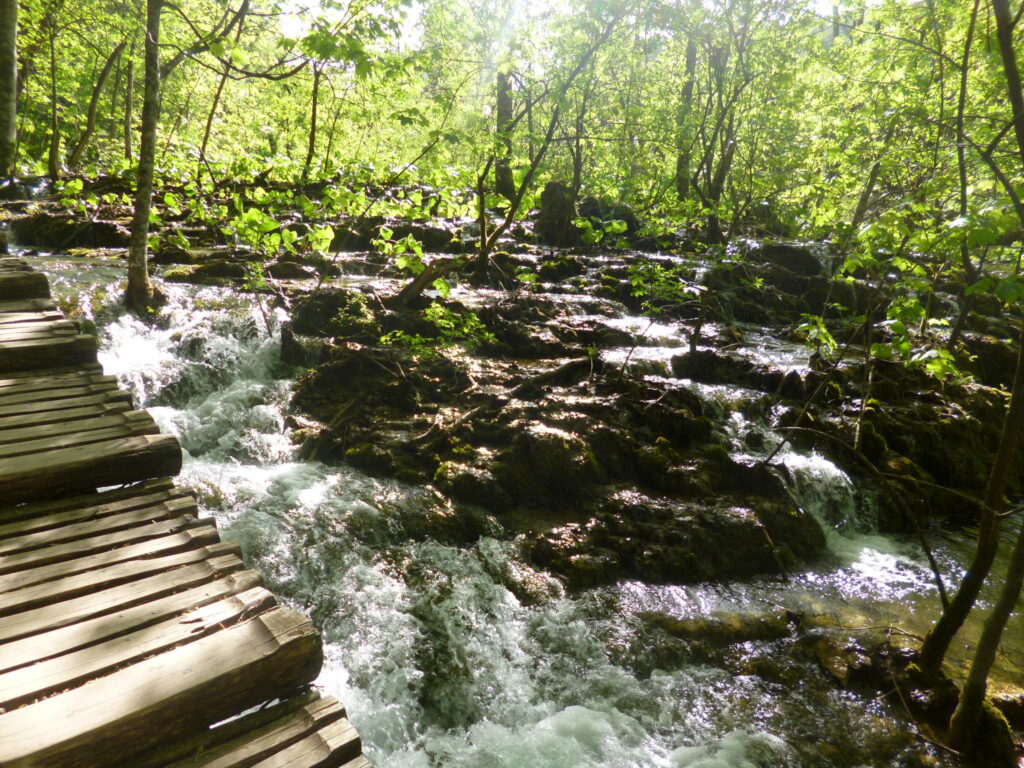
(64, 230)
(557, 212)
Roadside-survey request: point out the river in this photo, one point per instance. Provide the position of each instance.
(437, 661)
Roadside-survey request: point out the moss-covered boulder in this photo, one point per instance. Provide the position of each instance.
(547, 467)
(336, 313)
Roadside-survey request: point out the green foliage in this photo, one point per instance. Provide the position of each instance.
(261, 232)
(454, 329)
(597, 232)
(817, 335)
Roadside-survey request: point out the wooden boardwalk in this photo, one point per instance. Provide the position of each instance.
(130, 634)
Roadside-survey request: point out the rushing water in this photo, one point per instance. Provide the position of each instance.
(437, 661)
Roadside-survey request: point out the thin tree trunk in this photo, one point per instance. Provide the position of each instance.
(684, 142)
(938, 639)
(213, 112)
(965, 718)
(129, 94)
(90, 120)
(970, 273)
(8, 84)
(53, 158)
(313, 118)
(504, 184)
(140, 290)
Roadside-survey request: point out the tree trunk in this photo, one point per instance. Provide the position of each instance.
(504, 184)
(90, 120)
(129, 95)
(8, 84)
(683, 142)
(53, 158)
(962, 726)
(937, 641)
(140, 290)
(313, 119)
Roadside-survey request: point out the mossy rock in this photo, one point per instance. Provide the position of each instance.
(338, 313)
(547, 467)
(371, 459)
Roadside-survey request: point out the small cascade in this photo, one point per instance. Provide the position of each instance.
(820, 488)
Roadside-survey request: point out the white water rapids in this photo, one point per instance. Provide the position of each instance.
(437, 661)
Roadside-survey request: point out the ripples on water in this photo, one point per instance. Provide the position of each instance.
(437, 661)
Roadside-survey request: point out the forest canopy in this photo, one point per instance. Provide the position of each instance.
(739, 116)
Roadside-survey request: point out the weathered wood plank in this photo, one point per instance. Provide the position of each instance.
(61, 377)
(105, 721)
(262, 743)
(120, 572)
(223, 559)
(69, 470)
(57, 370)
(61, 561)
(33, 334)
(46, 384)
(13, 332)
(19, 285)
(329, 747)
(35, 405)
(7, 318)
(27, 447)
(89, 503)
(27, 305)
(79, 527)
(136, 421)
(40, 517)
(45, 353)
(83, 634)
(63, 672)
(52, 395)
(201, 742)
(66, 415)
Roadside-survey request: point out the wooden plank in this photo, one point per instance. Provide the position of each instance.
(63, 672)
(36, 378)
(60, 562)
(133, 420)
(103, 397)
(54, 396)
(66, 415)
(262, 743)
(120, 572)
(201, 742)
(27, 305)
(10, 331)
(21, 284)
(78, 528)
(329, 747)
(42, 353)
(74, 439)
(7, 318)
(44, 384)
(40, 517)
(82, 634)
(33, 331)
(69, 470)
(59, 370)
(223, 559)
(105, 721)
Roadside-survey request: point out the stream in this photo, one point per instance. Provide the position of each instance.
(436, 660)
